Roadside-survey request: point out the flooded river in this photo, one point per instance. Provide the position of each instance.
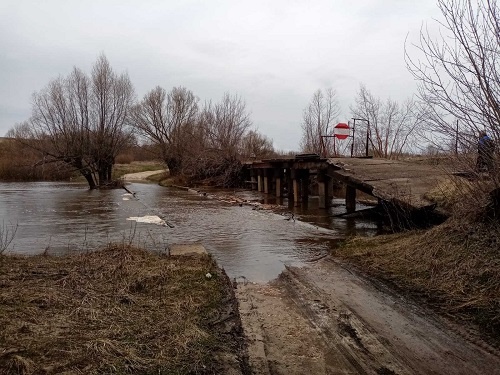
(67, 217)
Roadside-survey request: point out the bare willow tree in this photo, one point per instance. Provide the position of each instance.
(226, 122)
(79, 120)
(197, 144)
(225, 125)
(256, 146)
(318, 119)
(458, 71)
(111, 98)
(392, 126)
(168, 120)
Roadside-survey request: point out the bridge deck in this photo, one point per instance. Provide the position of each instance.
(403, 182)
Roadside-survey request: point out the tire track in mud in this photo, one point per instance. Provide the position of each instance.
(342, 330)
(412, 334)
(325, 319)
(279, 340)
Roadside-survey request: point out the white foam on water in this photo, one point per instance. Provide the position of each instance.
(151, 219)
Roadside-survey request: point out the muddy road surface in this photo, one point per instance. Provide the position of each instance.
(326, 319)
(138, 176)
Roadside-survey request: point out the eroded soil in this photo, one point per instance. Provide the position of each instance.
(326, 319)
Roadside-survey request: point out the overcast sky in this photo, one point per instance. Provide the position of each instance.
(274, 54)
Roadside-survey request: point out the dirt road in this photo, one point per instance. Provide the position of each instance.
(326, 319)
(141, 175)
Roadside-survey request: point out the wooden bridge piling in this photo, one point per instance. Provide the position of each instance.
(403, 184)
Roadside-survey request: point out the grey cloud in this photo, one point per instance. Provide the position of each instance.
(273, 54)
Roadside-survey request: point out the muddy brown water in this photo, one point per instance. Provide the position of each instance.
(65, 218)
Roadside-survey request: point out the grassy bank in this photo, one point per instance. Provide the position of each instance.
(454, 267)
(118, 310)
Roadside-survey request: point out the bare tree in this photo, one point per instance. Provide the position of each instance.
(392, 126)
(224, 125)
(318, 119)
(80, 121)
(458, 72)
(168, 120)
(196, 144)
(256, 145)
(111, 98)
(459, 84)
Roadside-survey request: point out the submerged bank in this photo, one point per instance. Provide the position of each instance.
(117, 310)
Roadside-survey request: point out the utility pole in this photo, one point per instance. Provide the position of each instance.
(352, 144)
(367, 133)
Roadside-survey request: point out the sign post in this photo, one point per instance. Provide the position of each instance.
(367, 131)
(340, 131)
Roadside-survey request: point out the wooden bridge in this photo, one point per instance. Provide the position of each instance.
(401, 183)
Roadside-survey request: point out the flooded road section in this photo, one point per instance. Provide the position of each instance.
(65, 217)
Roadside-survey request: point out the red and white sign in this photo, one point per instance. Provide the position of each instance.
(341, 130)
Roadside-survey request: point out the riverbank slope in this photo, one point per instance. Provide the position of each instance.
(454, 268)
(118, 310)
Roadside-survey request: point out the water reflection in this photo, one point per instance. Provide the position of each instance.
(64, 217)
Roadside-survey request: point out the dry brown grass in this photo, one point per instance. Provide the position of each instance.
(462, 197)
(118, 310)
(450, 192)
(455, 267)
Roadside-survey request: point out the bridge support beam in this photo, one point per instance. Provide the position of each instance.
(296, 192)
(253, 179)
(260, 182)
(330, 187)
(304, 182)
(278, 175)
(323, 190)
(296, 186)
(267, 181)
(289, 185)
(350, 199)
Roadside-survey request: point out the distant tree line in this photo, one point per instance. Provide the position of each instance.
(392, 126)
(84, 121)
(457, 102)
(22, 163)
(458, 89)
